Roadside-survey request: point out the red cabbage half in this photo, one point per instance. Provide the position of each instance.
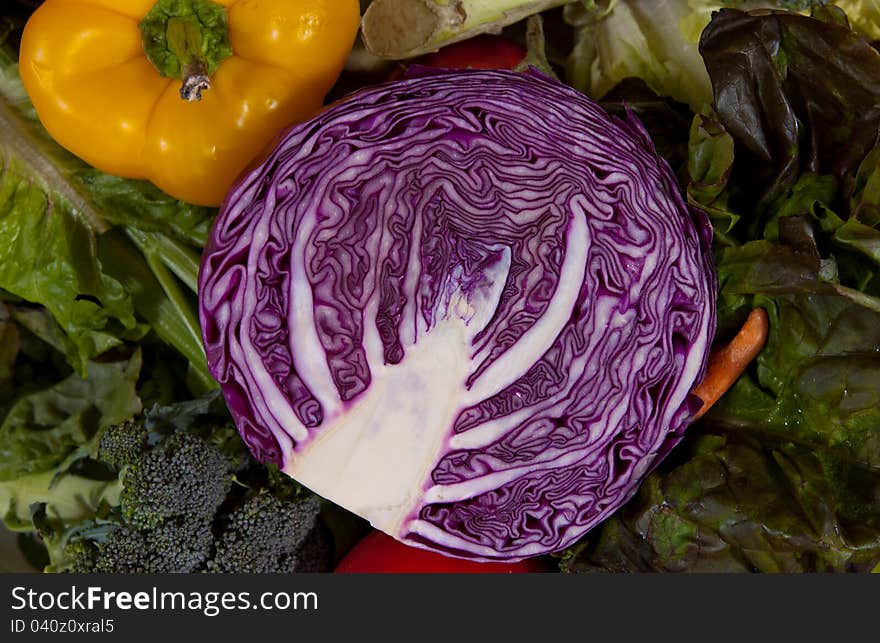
(467, 306)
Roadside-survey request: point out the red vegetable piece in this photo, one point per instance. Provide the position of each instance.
(379, 553)
(481, 52)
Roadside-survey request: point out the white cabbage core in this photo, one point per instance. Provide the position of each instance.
(374, 455)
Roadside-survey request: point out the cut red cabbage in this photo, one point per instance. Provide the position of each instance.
(467, 306)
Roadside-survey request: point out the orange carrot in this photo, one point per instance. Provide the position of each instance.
(728, 362)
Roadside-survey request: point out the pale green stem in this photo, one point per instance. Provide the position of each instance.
(173, 319)
(181, 260)
(399, 29)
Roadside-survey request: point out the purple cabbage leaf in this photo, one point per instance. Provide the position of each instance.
(467, 306)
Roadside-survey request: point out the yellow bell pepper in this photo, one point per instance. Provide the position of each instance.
(184, 93)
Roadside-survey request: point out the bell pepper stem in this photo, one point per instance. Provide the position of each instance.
(195, 81)
(185, 41)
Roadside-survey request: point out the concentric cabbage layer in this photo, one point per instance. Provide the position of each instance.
(468, 306)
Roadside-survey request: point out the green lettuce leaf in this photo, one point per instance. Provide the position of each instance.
(864, 16)
(710, 163)
(654, 40)
(730, 503)
(42, 429)
(48, 255)
(864, 197)
(51, 417)
(637, 38)
(815, 383)
(68, 498)
(111, 259)
(27, 362)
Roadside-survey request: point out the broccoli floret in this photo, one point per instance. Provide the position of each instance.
(122, 444)
(178, 545)
(80, 556)
(172, 486)
(178, 510)
(184, 476)
(264, 534)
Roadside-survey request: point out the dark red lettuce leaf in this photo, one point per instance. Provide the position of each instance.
(797, 94)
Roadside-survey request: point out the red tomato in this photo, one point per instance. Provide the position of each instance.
(379, 553)
(480, 52)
